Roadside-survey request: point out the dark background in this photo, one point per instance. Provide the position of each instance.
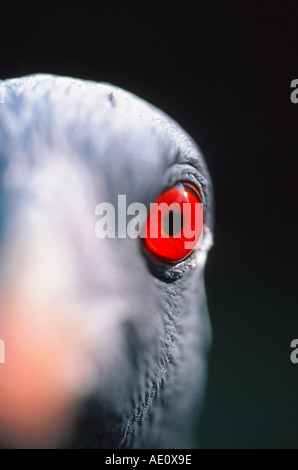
(223, 71)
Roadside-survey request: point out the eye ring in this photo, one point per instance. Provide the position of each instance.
(174, 224)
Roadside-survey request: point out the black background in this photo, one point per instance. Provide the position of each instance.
(223, 71)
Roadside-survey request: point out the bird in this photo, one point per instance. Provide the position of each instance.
(106, 342)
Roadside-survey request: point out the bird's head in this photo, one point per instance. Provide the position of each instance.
(102, 335)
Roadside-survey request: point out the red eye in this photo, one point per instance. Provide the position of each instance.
(174, 223)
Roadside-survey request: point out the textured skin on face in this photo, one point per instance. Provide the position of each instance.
(65, 146)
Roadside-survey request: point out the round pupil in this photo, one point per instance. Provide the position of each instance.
(173, 223)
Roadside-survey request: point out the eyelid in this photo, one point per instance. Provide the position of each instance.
(187, 173)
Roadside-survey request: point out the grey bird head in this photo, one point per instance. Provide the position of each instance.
(105, 345)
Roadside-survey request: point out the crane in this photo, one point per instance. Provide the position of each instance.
(106, 338)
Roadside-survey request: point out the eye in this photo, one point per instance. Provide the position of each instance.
(174, 223)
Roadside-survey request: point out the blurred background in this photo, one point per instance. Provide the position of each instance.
(223, 70)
